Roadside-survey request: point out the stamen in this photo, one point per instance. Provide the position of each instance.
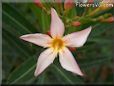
(57, 44)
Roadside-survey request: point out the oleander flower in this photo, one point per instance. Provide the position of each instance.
(56, 44)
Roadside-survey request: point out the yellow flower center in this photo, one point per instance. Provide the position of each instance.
(57, 44)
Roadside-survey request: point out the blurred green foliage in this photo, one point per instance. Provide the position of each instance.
(20, 57)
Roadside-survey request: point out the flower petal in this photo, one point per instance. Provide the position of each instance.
(68, 62)
(77, 39)
(57, 26)
(38, 39)
(45, 59)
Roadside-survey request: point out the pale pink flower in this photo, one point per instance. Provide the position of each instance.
(57, 44)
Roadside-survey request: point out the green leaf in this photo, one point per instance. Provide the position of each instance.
(12, 17)
(99, 29)
(92, 62)
(99, 40)
(23, 73)
(65, 77)
(42, 17)
(16, 43)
